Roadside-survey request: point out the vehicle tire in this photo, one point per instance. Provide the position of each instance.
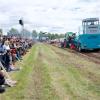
(97, 50)
(79, 49)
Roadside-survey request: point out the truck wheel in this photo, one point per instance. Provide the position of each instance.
(79, 49)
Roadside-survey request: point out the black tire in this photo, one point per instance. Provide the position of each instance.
(97, 50)
(79, 49)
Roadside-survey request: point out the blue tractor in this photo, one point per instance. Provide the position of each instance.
(89, 39)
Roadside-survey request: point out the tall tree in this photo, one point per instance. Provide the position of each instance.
(41, 34)
(13, 32)
(1, 32)
(26, 33)
(34, 34)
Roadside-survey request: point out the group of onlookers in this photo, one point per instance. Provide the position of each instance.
(11, 50)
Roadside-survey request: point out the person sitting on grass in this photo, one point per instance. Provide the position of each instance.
(5, 79)
(2, 82)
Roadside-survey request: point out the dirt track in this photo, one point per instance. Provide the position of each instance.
(89, 55)
(83, 64)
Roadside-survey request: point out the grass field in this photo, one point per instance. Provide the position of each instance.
(50, 73)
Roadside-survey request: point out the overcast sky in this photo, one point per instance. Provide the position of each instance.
(57, 16)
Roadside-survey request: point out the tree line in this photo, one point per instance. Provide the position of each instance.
(34, 34)
(47, 34)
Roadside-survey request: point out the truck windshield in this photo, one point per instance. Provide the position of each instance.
(93, 23)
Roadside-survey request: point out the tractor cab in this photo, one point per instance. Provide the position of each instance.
(91, 26)
(69, 40)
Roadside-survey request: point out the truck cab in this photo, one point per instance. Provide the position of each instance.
(90, 37)
(91, 26)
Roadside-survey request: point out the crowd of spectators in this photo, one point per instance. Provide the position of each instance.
(11, 50)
